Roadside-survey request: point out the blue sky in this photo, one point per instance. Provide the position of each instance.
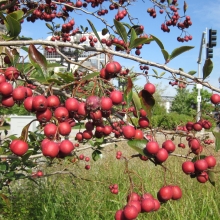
(204, 14)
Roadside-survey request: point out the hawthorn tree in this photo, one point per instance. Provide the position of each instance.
(60, 99)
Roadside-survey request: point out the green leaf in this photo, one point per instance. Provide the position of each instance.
(24, 38)
(24, 67)
(17, 15)
(133, 37)
(198, 158)
(139, 41)
(7, 38)
(118, 45)
(158, 42)
(92, 143)
(49, 26)
(127, 25)
(37, 59)
(54, 81)
(128, 98)
(217, 140)
(185, 6)
(155, 72)
(82, 28)
(128, 91)
(66, 77)
(207, 68)
(136, 101)
(176, 52)
(169, 2)
(162, 74)
(192, 72)
(138, 145)
(19, 176)
(12, 137)
(137, 29)
(181, 69)
(10, 174)
(96, 155)
(121, 30)
(90, 76)
(94, 31)
(99, 140)
(3, 166)
(25, 49)
(104, 31)
(49, 65)
(13, 26)
(27, 155)
(166, 55)
(211, 177)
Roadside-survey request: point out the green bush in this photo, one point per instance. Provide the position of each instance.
(170, 121)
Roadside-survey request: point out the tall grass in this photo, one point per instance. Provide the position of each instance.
(64, 197)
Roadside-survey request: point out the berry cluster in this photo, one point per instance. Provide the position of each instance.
(110, 70)
(146, 203)
(186, 38)
(199, 168)
(160, 155)
(195, 126)
(121, 14)
(124, 72)
(118, 155)
(11, 95)
(102, 12)
(113, 188)
(37, 174)
(86, 159)
(144, 68)
(209, 141)
(174, 19)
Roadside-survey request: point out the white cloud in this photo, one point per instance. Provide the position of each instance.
(208, 11)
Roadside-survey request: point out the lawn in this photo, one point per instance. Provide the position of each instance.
(87, 196)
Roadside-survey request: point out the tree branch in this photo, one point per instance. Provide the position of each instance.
(109, 51)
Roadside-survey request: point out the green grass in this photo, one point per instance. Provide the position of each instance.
(68, 198)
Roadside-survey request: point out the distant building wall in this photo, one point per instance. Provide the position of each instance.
(96, 61)
(167, 102)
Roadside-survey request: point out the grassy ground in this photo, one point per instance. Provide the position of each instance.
(68, 198)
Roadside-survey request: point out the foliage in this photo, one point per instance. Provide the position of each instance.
(159, 107)
(182, 103)
(171, 120)
(16, 109)
(206, 106)
(185, 101)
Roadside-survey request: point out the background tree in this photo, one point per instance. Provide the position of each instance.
(159, 107)
(185, 101)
